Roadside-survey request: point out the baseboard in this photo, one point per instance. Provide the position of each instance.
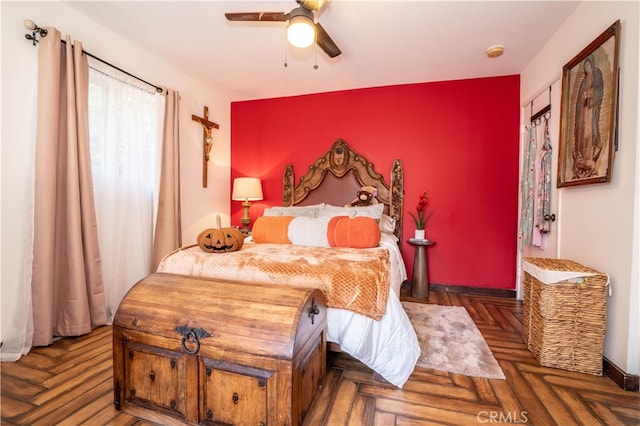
(626, 381)
(474, 291)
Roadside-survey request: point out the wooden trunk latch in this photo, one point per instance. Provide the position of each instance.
(313, 310)
(190, 334)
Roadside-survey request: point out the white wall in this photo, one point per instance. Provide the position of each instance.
(598, 224)
(19, 59)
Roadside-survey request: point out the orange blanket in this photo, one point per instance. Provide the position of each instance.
(353, 279)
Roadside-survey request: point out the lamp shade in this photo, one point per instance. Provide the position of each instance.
(247, 188)
(301, 31)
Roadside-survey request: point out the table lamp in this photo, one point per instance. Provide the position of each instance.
(246, 189)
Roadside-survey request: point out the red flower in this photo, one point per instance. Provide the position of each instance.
(419, 218)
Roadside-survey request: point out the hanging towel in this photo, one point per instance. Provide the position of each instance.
(527, 187)
(544, 184)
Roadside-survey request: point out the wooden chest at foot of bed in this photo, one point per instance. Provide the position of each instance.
(197, 351)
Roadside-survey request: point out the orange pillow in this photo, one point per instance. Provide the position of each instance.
(356, 232)
(271, 229)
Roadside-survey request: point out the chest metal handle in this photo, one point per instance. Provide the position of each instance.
(194, 335)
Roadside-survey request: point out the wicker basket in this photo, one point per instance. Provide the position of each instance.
(564, 323)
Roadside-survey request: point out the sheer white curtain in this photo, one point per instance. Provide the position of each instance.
(125, 122)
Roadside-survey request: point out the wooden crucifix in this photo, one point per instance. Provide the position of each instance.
(207, 141)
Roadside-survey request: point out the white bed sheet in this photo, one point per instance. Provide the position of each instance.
(390, 346)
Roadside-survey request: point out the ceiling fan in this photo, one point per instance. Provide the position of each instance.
(302, 30)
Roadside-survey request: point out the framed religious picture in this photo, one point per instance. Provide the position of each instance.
(589, 112)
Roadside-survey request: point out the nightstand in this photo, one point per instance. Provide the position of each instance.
(420, 279)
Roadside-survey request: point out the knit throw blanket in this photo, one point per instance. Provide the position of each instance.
(353, 279)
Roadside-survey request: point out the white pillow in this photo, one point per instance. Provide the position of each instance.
(374, 211)
(309, 231)
(387, 224)
(309, 211)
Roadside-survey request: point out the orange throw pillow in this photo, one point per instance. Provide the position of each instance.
(271, 229)
(356, 232)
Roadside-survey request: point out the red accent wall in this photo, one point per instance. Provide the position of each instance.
(458, 140)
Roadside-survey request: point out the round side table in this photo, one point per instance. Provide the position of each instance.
(420, 279)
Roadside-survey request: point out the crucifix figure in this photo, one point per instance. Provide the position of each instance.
(207, 140)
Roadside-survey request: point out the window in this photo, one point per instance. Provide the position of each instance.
(125, 137)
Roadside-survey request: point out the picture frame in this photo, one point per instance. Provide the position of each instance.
(588, 116)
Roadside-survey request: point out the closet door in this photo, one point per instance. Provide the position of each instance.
(548, 245)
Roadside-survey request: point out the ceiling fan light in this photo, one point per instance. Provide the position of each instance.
(301, 31)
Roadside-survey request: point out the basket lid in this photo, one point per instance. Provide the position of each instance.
(550, 271)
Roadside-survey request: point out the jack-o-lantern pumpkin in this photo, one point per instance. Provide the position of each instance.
(220, 240)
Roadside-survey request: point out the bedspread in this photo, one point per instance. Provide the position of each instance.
(353, 279)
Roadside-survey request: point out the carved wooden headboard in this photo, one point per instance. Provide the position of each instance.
(349, 172)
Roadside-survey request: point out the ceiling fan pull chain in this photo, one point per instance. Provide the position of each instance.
(315, 54)
(285, 49)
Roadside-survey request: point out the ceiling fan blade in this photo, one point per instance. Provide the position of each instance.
(312, 4)
(325, 42)
(256, 16)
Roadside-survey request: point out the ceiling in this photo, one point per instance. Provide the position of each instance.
(382, 42)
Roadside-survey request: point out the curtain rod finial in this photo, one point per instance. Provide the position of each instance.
(35, 29)
(29, 24)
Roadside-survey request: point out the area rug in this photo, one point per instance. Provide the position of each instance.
(450, 341)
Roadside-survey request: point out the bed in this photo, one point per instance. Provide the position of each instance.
(364, 315)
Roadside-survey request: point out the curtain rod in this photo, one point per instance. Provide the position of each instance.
(158, 89)
(43, 33)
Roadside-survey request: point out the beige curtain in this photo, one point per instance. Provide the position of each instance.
(67, 286)
(168, 232)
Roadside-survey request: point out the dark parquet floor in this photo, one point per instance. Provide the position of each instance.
(70, 383)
